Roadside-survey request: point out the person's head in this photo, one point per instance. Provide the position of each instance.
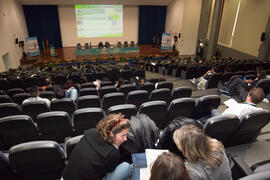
(60, 93)
(255, 95)
(161, 79)
(141, 81)
(113, 129)
(48, 81)
(195, 145)
(34, 91)
(169, 166)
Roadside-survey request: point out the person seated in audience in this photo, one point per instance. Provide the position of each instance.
(97, 154)
(34, 96)
(254, 97)
(71, 91)
(201, 81)
(206, 158)
(59, 94)
(97, 83)
(119, 83)
(242, 86)
(169, 166)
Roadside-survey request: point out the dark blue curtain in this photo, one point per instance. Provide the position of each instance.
(43, 22)
(151, 22)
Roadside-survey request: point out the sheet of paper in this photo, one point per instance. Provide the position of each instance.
(230, 103)
(144, 174)
(151, 156)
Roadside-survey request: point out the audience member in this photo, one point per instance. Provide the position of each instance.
(34, 96)
(200, 82)
(254, 97)
(206, 158)
(242, 86)
(97, 156)
(71, 91)
(169, 166)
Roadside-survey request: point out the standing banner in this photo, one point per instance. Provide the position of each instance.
(166, 41)
(32, 47)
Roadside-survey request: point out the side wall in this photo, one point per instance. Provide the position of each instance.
(69, 29)
(12, 25)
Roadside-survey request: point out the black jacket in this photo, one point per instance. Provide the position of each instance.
(92, 158)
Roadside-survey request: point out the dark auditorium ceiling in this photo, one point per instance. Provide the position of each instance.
(72, 2)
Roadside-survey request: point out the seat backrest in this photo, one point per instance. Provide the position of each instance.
(13, 91)
(191, 72)
(71, 143)
(41, 160)
(137, 97)
(148, 86)
(19, 98)
(106, 83)
(106, 90)
(126, 88)
(165, 84)
(88, 85)
(5, 99)
(17, 129)
(65, 104)
(153, 80)
(17, 83)
(112, 99)
(226, 76)
(265, 84)
(6, 170)
(54, 125)
(88, 101)
(181, 106)
(86, 118)
(88, 91)
(9, 109)
(163, 94)
(156, 110)
(47, 94)
(181, 92)
(34, 108)
(250, 127)
(4, 84)
(60, 79)
(205, 104)
(222, 127)
(127, 110)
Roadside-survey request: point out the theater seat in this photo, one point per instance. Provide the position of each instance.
(222, 127)
(34, 108)
(126, 88)
(163, 94)
(137, 97)
(250, 127)
(19, 98)
(65, 104)
(156, 110)
(165, 84)
(9, 109)
(112, 99)
(13, 91)
(88, 85)
(181, 92)
(6, 170)
(88, 101)
(54, 125)
(127, 110)
(71, 143)
(86, 118)
(148, 86)
(205, 104)
(42, 160)
(47, 94)
(17, 129)
(88, 91)
(5, 99)
(213, 81)
(181, 106)
(106, 90)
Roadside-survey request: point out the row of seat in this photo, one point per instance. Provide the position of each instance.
(56, 125)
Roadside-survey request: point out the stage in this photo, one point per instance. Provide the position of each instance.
(68, 54)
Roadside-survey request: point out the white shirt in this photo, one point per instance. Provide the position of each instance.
(31, 99)
(242, 109)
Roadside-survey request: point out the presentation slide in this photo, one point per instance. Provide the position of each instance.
(99, 20)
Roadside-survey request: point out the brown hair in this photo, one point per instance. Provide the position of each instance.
(34, 91)
(256, 94)
(195, 145)
(114, 123)
(169, 166)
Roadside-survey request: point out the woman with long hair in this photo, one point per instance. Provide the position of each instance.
(169, 166)
(206, 158)
(96, 156)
